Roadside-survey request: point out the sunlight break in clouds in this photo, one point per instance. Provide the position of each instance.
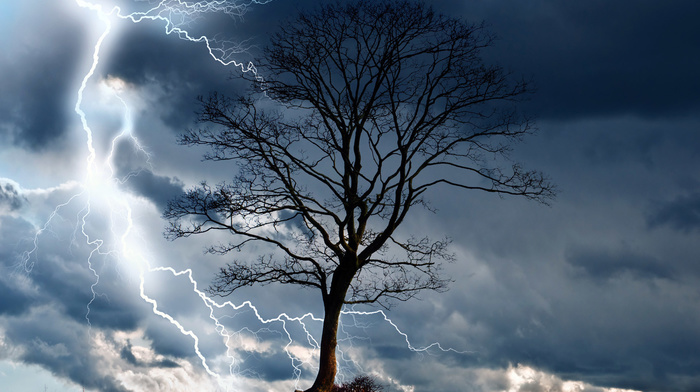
(524, 378)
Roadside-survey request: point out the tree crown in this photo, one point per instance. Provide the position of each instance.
(367, 105)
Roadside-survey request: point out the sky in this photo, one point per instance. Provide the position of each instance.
(600, 291)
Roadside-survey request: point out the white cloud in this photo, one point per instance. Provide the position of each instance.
(523, 378)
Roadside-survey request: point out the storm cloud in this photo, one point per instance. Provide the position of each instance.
(10, 198)
(682, 214)
(42, 58)
(597, 58)
(600, 288)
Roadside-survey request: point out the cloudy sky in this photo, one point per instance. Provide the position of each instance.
(600, 290)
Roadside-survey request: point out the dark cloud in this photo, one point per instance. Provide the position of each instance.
(61, 273)
(165, 363)
(269, 366)
(180, 70)
(43, 303)
(682, 213)
(603, 264)
(166, 341)
(132, 167)
(598, 58)
(126, 354)
(593, 58)
(62, 346)
(15, 299)
(601, 336)
(41, 57)
(159, 189)
(612, 147)
(66, 282)
(10, 197)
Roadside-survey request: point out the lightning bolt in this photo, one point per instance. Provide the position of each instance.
(175, 15)
(220, 51)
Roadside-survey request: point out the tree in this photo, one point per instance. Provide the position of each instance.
(359, 384)
(367, 106)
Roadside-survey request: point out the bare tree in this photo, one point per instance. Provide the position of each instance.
(367, 105)
(359, 384)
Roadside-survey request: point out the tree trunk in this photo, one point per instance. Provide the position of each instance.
(333, 304)
(329, 342)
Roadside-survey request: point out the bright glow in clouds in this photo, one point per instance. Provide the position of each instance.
(106, 223)
(525, 378)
